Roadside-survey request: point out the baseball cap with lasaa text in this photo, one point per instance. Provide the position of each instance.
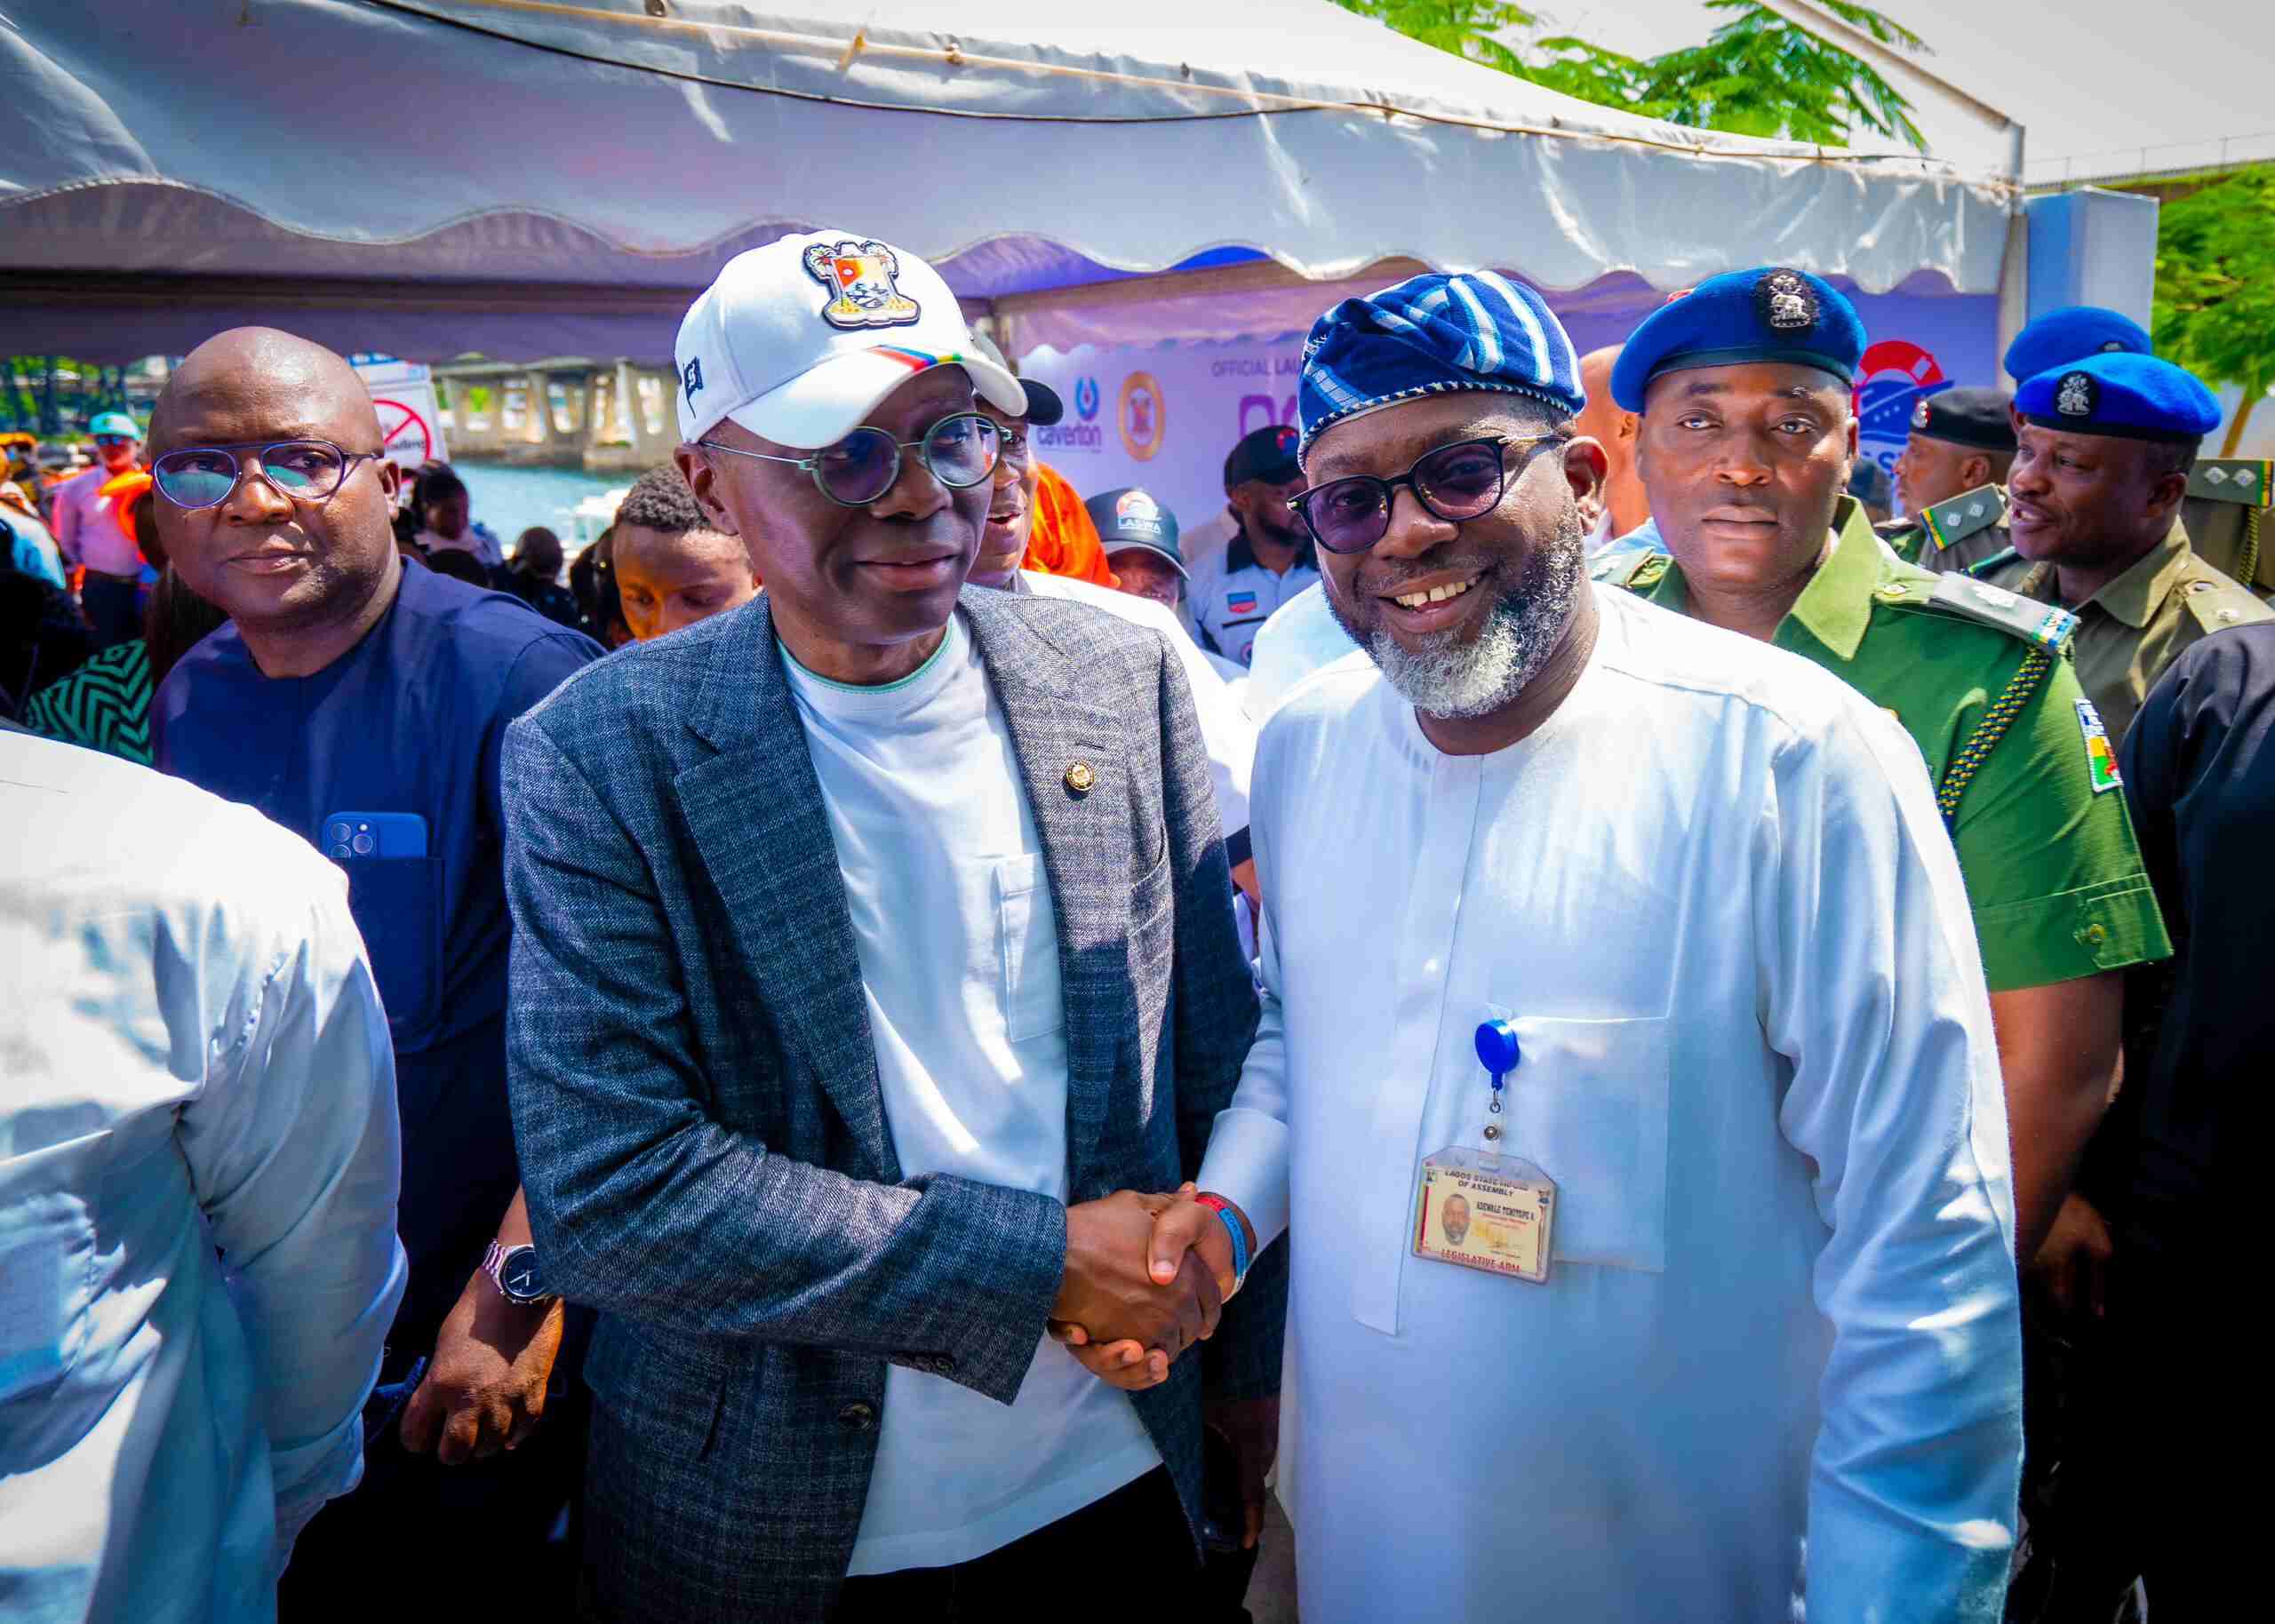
(1129, 517)
(798, 341)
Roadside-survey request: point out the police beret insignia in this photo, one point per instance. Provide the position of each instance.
(1919, 413)
(2076, 395)
(1787, 303)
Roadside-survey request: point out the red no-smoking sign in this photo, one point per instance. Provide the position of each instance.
(404, 434)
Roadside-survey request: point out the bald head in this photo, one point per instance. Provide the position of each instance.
(303, 565)
(268, 384)
(1602, 421)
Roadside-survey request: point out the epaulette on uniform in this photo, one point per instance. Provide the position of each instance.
(1968, 514)
(2228, 496)
(2218, 605)
(2044, 629)
(1620, 566)
(1997, 560)
(1648, 572)
(2243, 480)
(2042, 626)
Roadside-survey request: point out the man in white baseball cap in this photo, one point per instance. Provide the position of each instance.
(871, 949)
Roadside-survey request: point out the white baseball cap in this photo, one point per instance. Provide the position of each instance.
(799, 340)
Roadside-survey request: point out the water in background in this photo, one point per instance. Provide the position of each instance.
(509, 498)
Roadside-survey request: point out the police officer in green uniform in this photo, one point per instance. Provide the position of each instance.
(1947, 478)
(2094, 514)
(1746, 441)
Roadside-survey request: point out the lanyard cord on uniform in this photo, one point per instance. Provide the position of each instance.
(1988, 732)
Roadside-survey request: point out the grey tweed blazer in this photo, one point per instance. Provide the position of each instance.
(696, 1101)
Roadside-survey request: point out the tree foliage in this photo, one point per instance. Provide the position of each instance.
(2215, 305)
(1757, 74)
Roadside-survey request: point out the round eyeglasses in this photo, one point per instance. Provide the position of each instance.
(200, 476)
(1453, 482)
(960, 451)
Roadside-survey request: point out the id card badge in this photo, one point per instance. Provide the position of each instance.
(1484, 1211)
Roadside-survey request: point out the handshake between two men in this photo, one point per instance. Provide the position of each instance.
(1147, 1277)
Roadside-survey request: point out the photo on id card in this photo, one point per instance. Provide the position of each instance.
(1483, 1211)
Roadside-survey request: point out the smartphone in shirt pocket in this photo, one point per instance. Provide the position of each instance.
(395, 891)
(1034, 1003)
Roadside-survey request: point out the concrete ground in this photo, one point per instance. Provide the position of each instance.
(1272, 1592)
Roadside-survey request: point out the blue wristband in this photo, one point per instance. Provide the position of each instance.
(1234, 1228)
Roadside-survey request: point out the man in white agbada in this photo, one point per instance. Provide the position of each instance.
(1776, 1353)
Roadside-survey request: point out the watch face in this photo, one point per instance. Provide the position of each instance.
(519, 1275)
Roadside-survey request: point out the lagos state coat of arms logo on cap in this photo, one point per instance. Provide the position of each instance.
(859, 277)
(2075, 396)
(1787, 302)
(1919, 413)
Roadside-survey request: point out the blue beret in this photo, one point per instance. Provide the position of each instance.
(1435, 335)
(1767, 313)
(2132, 397)
(2073, 333)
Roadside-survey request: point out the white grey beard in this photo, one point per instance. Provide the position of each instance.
(1456, 679)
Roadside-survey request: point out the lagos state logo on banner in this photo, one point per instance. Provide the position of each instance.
(860, 275)
(1144, 416)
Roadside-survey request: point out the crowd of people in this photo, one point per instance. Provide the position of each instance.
(840, 1066)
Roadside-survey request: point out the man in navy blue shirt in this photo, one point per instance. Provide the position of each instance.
(361, 701)
(2151, 1257)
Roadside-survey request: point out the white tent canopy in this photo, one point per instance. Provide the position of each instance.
(524, 178)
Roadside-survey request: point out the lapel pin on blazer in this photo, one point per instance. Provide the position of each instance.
(1081, 779)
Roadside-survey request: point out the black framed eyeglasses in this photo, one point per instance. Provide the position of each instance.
(1453, 482)
(959, 451)
(200, 476)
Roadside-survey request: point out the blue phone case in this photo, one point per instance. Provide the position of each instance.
(346, 836)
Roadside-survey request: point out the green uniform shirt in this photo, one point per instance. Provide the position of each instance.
(2138, 623)
(2054, 875)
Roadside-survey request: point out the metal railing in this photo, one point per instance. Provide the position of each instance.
(2146, 163)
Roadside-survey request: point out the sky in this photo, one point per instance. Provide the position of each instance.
(2083, 77)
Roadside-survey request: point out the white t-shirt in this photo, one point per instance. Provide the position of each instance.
(958, 942)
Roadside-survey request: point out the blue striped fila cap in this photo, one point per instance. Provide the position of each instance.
(1435, 335)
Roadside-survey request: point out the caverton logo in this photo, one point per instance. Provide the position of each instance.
(1072, 436)
(860, 275)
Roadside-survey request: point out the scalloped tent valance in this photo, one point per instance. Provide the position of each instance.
(523, 177)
